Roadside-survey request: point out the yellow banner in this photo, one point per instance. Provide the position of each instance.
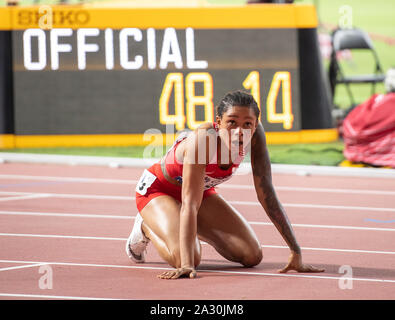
(36, 141)
(5, 19)
(232, 17)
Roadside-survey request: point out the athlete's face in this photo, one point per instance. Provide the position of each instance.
(237, 126)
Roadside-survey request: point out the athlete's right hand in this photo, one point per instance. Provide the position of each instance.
(178, 273)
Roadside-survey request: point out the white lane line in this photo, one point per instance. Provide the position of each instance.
(324, 206)
(204, 270)
(204, 243)
(244, 203)
(66, 179)
(22, 267)
(29, 196)
(330, 249)
(324, 226)
(315, 206)
(70, 215)
(17, 295)
(225, 185)
(257, 223)
(27, 235)
(296, 276)
(71, 196)
(304, 189)
(13, 193)
(245, 167)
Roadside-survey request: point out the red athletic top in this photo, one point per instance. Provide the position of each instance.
(214, 175)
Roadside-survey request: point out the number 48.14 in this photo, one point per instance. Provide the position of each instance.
(175, 81)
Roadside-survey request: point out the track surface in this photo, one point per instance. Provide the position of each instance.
(63, 231)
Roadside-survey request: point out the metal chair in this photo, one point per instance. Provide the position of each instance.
(349, 39)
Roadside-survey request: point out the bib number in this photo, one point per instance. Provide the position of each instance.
(146, 180)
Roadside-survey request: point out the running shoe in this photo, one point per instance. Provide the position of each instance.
(136, 245)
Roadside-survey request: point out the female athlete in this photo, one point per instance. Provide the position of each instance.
(178, 204)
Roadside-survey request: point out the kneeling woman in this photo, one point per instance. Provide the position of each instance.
(178, 203)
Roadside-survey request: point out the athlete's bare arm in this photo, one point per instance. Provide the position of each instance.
(261, 170)
(192, 192)
(194, 165)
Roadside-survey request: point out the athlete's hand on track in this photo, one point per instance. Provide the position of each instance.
(178, 273)
(295, 263)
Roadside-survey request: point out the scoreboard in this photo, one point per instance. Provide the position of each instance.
(102, 72)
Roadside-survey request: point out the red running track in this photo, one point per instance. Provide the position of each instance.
(63, 231)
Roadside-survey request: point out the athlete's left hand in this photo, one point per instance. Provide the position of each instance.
(178, 273)
(295, 263)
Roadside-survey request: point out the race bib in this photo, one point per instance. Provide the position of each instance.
(146, 180)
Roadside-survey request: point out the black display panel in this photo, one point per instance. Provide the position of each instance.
(107, 81)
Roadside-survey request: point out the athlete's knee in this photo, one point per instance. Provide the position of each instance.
(252, 256)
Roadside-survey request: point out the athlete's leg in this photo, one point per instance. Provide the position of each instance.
(220, 225)
(161, 225)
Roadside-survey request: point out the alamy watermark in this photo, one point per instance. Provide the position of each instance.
(205, 143)
(345, 19)
(346, 281)
(46, 17)
(46, 280)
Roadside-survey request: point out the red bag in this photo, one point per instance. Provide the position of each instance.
(369, 131)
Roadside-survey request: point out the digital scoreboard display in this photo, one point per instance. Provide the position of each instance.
(91, 81)
(89, 71)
